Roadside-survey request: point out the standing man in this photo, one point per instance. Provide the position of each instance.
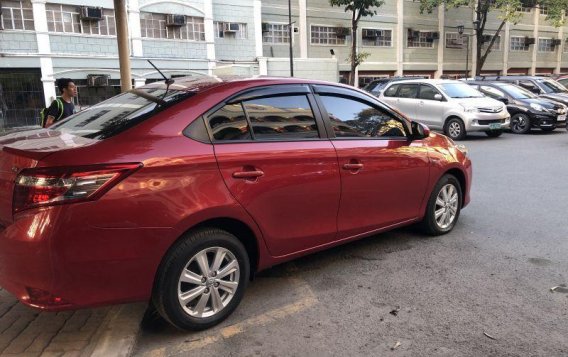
(62, 107)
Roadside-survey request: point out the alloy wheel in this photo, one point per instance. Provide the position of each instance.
(208, 282)
(454, 129)
(446, 206)
(519, 124)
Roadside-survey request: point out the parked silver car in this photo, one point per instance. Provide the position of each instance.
(447, 105)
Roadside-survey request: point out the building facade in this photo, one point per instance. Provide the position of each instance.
(42, 40)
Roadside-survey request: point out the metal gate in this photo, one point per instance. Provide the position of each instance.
(21, 97)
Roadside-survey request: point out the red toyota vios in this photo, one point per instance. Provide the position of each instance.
(179, 193)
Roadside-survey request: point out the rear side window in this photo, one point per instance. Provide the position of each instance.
(229, 123)
(391, 91)
(121, 112)
(282, 118)
(351, 118)
(408, 91)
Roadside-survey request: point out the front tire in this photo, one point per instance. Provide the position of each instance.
(520, 123)
(494, 133)
(202, 279)
(455, 129)
(444, 206)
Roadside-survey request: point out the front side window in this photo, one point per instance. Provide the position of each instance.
(119, 113)
(326, 35)
(276, 34)
(66, 18)
(551, 86)
(153, 25)
(391, 91)
(229, 123)
(282, 118)
(17, 15)
(428, 92)
(351, 118)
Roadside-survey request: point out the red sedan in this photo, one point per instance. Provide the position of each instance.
(179, 193)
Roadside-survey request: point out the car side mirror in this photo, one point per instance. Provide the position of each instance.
(503, 100)
(438, 97)
(419, 131)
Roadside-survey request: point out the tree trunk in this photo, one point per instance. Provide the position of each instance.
(483, 58)
(353, 50)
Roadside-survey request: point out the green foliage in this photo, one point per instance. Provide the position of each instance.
(359, 58)
(362, 8)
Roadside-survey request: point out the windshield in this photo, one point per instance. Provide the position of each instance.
(550, 86)
(517, 92)
(121, 112)
(460, 90)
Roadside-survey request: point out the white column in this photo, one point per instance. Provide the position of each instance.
(401, 37)
(536, 17)
(134, 25)
(44, 50)
(263, 66)
(559, 49)
(303, 12)
(209, 35)
(257, 6)
(442, 40)
(49, 90)
(507, 44)
(473, 53)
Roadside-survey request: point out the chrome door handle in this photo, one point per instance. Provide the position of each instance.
(353, 166)
(248, 174)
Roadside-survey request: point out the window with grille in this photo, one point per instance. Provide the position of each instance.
(423, 40)
(277, 33)
(496, 45)
(325, 35)
(220, 32)
(153, 25)
(518, 44)
(455, 40)
(17, 15)
(526, 6)
(545, 45)
(379, 38)
(543, 9)
(66, 18)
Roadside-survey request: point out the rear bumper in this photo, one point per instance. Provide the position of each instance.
(54, 266)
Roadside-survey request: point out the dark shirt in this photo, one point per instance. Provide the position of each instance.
(68, 109)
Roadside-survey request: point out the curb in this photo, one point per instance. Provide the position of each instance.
(118, 333)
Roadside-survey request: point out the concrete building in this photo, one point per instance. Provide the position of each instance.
(42, 40)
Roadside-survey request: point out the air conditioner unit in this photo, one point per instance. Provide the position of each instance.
(91, 13)
(368, 33)
(454, 43)
(413, 35)
(231, 27)
(265, 27)
(529, 41)
(556, 42)
(97, 80)
(176, 20)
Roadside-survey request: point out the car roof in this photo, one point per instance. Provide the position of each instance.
(427, 80)
(504, 78)
(202, 83)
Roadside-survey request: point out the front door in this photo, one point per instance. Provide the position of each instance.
(278, 168)
(383, 174)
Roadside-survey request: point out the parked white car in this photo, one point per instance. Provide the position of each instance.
(451, 106)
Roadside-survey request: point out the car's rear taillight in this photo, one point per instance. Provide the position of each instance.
(47, 186)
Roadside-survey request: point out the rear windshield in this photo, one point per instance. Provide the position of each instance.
(550, 86)
(121, 112)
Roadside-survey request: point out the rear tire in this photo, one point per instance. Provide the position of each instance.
(444, 206)
(202, 279)
(494, 133)
(455, 129)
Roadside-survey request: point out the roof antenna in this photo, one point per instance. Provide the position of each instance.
(168, 81)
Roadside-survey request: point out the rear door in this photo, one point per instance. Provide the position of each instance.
(383, 174)
(277, 162)
(404, 99)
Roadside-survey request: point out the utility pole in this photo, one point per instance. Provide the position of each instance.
(123, 48)
(291, 33)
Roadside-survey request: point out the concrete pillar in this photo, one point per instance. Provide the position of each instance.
(303, 13)
(257, 6)
(263, 66)
(123, 48)
(506, 48)
(559, 49)
(44, 50)
(442, 40)
(473, 48)
(401, 37)
(135, 31)
(536, 17)
(209, 35)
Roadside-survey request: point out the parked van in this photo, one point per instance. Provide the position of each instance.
(451, 106)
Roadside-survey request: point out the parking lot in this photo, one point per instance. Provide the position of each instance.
(483, 289)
